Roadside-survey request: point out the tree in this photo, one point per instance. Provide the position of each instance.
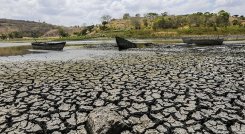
(179, 21)
(106, 18)
(164, 23)
(197, 19)
(103, 27)
(145, 22)
(164, 14)
(207, 13)
(137, 15)
(84, 31)
(90, 28)
(18, 34)
(34, 34)
(236, 22)
(242, 17)
(207, 17)
(151, 15)
(11, 35)
(211, 21)
(159, 23)
(126, 16)
(136, 23)
(63, 33)
(104, 23)
(223, 18)
(199, 13)
(3, 36)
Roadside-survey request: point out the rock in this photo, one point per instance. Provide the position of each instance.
(99, 103)
(156, 95)
(180, 131)
(104, 120)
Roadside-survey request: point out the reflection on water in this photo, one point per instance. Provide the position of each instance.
(70, 53)
(11, 51)
(23, 50)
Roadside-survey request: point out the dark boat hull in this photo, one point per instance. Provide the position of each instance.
(57, 46)
(208, 41)
(203, 41)
(124, 44)
(187, 40)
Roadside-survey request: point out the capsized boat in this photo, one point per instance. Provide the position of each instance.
(124, 44)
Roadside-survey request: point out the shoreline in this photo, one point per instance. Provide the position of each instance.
(77, 38)
(112, 41)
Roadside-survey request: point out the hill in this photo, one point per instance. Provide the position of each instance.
(25, 28)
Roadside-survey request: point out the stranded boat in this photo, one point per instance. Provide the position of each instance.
(57, 46)
(203, 41)
(208, 41)
(124, 44)
(187, 40)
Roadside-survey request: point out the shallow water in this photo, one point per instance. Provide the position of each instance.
(92, 50)
(66, 54)
(108, 41)
(69, 53)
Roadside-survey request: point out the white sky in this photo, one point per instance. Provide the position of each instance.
(78, 12)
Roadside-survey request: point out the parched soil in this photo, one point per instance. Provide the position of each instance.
(155, 92)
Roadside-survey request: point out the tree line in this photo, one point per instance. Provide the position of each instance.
(154, 21)
(163, 21)
(166, 21)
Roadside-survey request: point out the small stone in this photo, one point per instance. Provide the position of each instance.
(180, 131)
(156, 95)
(99, 103)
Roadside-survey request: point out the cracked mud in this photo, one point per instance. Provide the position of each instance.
(153, 92)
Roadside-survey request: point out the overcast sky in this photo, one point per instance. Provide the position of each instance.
(78, 12)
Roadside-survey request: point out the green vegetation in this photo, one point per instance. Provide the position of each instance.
(234, 30)
(149, 25)
(154, 25)
(63, 33)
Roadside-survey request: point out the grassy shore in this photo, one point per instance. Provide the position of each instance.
(235, 32)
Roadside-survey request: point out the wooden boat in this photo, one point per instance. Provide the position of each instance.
(187, 40)
(208, 41)
(58, 46)
(124, 44)
(203, 41)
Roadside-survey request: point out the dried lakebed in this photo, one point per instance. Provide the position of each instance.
(154, 92)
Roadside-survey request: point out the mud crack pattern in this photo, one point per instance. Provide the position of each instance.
(155, 93)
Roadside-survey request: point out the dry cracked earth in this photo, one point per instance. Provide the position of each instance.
(154, 92)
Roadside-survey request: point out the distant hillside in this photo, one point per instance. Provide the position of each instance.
(26, 28)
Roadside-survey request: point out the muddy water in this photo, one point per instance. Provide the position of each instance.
(68, 53)
(76, 51)
(16, 50)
